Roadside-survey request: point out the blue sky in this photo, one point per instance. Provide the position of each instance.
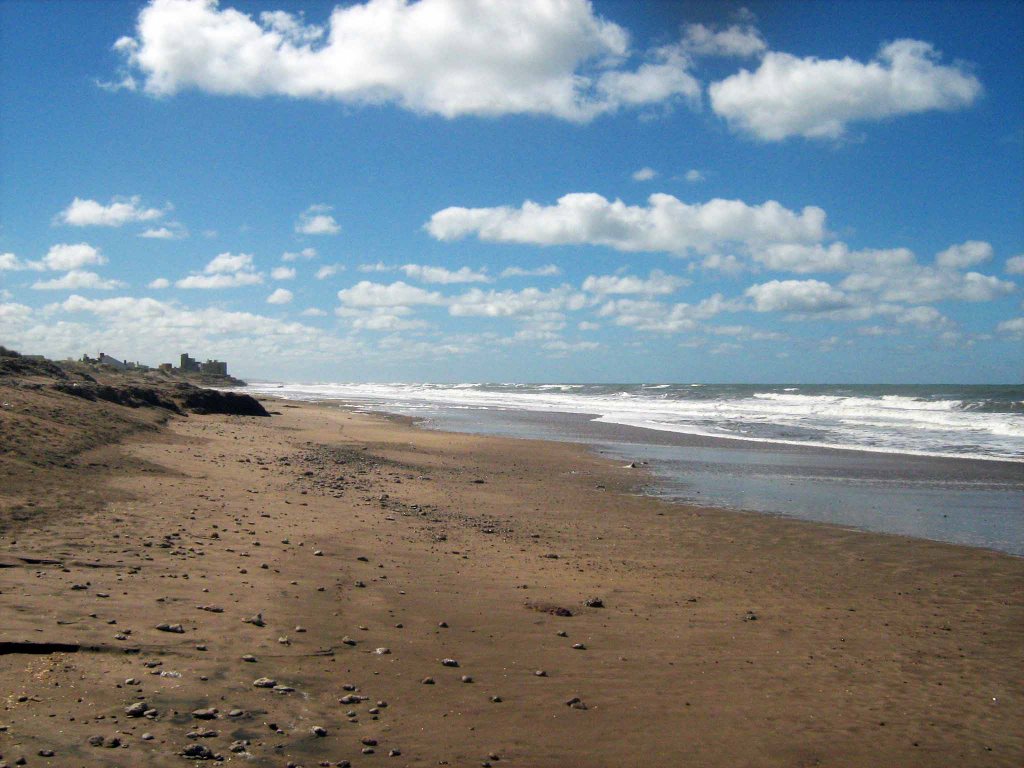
(545, 190)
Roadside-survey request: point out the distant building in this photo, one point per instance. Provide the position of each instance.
(168, 367)
(214, 367)
(113, 362)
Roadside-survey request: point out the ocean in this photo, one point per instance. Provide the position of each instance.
(937, 462)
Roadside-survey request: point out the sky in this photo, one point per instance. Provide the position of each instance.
(534, 191)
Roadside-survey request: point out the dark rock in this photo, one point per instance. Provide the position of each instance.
(207, 401)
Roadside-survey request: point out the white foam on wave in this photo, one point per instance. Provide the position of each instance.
(886, 424)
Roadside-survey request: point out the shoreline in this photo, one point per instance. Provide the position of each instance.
(967, 501)
(658, 416)
(724, 638)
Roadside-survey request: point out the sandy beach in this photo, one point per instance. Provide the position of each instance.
(326, 587)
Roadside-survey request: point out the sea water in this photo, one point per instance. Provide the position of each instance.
(938, 462)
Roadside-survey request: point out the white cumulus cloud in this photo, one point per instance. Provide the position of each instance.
(305, 254)
(666, 224)
(160, 283)
(317, 220)
(175, 232)
(527, 302)
(968, 254)
(548, 270)
(280, 296)
(366, 294)
(117, 213)
(427, 274)
(657, 282)
(77, 279)
(644, 174)
(329, 270)
(282, 273)
(1014, 265)
(1013, 327)
(817, 98)
(736, 40)
(67, 256)
(836, 257)
(225, 270)
(796, 296)
(225, 263)
(8, 261)
(445, 57)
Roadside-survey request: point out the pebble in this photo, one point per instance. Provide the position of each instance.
(264, 682)
(209, 713)
(382, 651)
(540, 673)
(427, 681)
(318, 730)
(467, 678)
(496, 699)
(175, 628)
(250, 658)
(579, 647)
(138, 709)
(449, 663)
(594, 602)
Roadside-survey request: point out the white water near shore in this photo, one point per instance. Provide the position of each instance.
(947, 421)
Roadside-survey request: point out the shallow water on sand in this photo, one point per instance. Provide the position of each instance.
(962, 501)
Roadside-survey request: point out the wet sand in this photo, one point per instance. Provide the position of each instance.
(291, 549)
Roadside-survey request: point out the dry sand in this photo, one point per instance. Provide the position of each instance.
(724, 639)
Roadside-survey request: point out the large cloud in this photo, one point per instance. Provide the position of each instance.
(445, 57)
(817, 98)
(666, 224)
